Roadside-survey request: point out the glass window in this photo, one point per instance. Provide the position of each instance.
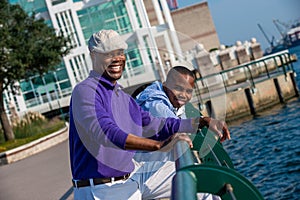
(49, 78)
(65, 85)
(60, 66)
(25, 86)
(56, 2)
(84, 20)
(88, 32)
(133, 56)
(29, 95)
(137, 63)
(109, 15)
(137, 15)
(111, 25)
(81, 12)
(62, 74)
(37, 81)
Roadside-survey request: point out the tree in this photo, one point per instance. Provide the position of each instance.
(27, 47)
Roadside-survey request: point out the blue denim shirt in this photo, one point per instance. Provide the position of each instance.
(101, 117)
(155, 100)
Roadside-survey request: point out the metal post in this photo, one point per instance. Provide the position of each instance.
(184, 186)
(250, 101)
(278, 89)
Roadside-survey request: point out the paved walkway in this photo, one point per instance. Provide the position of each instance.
(43, 176)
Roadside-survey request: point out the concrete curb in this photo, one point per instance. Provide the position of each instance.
(34, 147)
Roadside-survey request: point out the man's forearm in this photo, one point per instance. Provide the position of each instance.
(138, 143)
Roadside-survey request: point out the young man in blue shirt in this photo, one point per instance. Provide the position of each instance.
(169, 99)
(107, 126)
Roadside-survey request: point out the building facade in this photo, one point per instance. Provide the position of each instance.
(195, 25)
(148, 43)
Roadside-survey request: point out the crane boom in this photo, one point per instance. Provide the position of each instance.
(262, 30)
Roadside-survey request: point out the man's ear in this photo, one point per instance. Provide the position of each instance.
(92, 54)
(167, 90)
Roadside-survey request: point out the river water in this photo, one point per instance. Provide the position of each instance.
(266, 148)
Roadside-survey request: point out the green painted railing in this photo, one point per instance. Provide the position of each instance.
(250, 73)
(198, 172)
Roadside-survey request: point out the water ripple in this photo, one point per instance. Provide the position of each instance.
(266, 150)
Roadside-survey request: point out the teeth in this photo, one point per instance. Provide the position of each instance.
(115, 67)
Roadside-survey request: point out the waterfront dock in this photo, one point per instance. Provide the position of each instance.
(247, 88)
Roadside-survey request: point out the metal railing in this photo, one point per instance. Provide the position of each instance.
(250, 73)
(200, 177)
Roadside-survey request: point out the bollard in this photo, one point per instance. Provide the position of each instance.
(250, 101)
(210, 109)
(292, 75)
(279, 92)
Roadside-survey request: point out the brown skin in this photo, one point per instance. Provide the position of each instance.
(134, 142)
(179, 89)
(111, 65)
(218, 127)
(112, 68)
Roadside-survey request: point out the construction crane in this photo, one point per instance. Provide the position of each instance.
(271, 42)
(282, 32)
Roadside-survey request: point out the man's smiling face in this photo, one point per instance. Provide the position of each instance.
(111, 64)
(179, 89)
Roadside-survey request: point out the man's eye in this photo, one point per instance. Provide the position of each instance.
(178, 88)
(189, 91)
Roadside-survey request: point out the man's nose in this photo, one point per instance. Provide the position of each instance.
(117, 57)
(182, 94)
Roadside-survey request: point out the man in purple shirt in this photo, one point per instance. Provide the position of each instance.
(107, 126)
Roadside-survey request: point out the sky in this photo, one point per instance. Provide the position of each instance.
(238, 19)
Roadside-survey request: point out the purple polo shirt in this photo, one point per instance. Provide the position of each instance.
(101, 117)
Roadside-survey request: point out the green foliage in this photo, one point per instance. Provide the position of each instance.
(30, 124)
(31, 127)
(29, 47)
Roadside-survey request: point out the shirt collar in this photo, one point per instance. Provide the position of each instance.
(103, 79)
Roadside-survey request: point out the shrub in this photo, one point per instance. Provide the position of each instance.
(30, 124)
(31, 127)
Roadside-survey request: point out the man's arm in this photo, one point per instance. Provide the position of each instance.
(134, 142)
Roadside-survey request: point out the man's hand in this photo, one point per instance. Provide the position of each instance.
(168, 144)
(217, 126)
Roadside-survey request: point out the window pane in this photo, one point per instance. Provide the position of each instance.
(28, 95)
(62, 75)
(49, 78)
(65, 85)
(25, 86)
(37, 81)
